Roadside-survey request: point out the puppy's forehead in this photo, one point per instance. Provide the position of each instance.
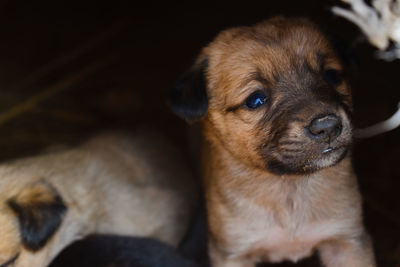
(265, 51)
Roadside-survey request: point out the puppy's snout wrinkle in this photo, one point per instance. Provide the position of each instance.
(325, 129)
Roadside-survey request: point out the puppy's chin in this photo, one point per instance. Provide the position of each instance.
(301, 166)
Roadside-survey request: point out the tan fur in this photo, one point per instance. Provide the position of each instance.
(254, 214)
(112, 184)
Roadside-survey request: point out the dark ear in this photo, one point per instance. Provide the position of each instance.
(189, 97)
(39, 210)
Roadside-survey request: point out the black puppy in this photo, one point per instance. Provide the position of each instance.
(120, 251)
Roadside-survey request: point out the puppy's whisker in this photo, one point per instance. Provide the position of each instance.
(293, 142)
(292, 150)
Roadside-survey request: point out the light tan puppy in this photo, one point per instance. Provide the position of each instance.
(112, 184)
(277, 171)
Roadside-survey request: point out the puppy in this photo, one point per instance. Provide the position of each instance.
(277, 171)
(120, 251)
(113, 184)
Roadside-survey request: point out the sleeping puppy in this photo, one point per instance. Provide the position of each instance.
(120, 251)
(275, 112)
(113, 184)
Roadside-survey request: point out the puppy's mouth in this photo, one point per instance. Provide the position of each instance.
(328, 150)
(307, 158)
(333, 149)
(307, 166)
(331, 156)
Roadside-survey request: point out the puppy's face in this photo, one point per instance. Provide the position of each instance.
(275, 97)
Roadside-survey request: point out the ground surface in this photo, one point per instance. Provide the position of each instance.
(116, 62)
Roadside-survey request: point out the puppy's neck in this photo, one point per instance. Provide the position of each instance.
(227, 179)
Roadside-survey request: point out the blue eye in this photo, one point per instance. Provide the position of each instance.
(256, 100)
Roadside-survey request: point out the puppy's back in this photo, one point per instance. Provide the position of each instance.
(113, 183)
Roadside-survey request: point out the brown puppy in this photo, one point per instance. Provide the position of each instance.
(113, 184)
(278, 179)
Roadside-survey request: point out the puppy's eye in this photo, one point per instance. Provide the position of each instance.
(332, 77)
(256, 100)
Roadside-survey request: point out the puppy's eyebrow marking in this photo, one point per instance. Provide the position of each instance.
(255, 76)
(251, 77)
(259, 77)
(326, 61)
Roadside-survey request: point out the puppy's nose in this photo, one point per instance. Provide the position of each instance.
(325, 129)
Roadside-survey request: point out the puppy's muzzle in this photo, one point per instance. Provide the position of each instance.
(324, 128)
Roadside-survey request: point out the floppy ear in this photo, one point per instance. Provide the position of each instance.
(39, 210)
(189, 97)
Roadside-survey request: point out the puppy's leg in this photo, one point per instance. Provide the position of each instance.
(220, 258)
(356, 252)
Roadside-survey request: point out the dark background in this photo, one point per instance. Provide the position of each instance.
(138, 50)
